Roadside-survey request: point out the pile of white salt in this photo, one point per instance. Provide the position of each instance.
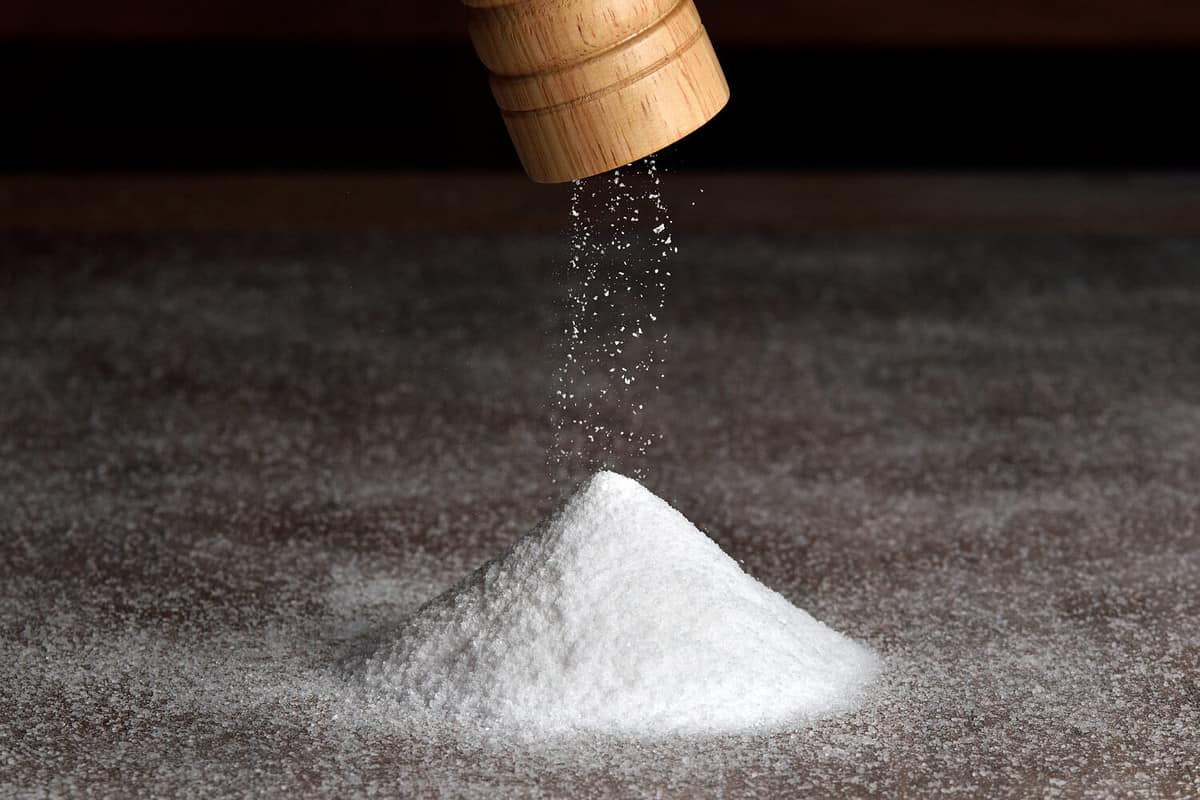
(618, 616)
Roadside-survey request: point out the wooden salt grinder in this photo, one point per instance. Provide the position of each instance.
(589, 85)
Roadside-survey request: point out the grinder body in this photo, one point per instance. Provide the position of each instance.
(586, 86)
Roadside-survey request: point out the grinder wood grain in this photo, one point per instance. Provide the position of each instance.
(586, 86)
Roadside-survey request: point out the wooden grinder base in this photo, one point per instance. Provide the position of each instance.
(589, 85)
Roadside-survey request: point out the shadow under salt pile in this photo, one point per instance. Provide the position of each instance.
(616, 616)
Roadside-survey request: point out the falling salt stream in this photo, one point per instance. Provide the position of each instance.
(612, 344)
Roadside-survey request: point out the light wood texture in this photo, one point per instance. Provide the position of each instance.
(589, 85)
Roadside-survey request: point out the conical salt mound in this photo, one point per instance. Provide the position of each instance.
(617, 615)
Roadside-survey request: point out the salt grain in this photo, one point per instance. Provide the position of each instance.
(618, 616)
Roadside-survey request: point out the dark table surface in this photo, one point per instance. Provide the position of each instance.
(225, 453)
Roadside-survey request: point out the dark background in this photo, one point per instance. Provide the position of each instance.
(823, 84)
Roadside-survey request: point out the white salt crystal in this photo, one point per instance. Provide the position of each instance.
(617, 615)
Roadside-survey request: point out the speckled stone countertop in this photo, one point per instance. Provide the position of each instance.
(222, 456)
